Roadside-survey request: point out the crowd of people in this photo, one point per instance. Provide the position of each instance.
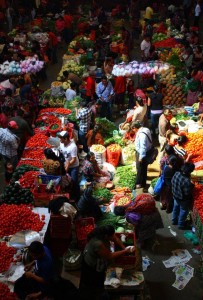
(145, 119)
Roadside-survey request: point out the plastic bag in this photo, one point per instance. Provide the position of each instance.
(113, 153)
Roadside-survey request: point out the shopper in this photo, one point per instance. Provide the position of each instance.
(52, 46)
(105, 93)
(90, 87)
(23, 132)
(166, 197)
(182, 188)
(131, 91)
(143, 143)
(84, 115)
(145, 47)
(36, 281)
(119, 90)
(72, 77)
(155, 103)
(69, 151)
(179, 148)
(96, 257)
(164, 125)
(140, 110)
(71, 92)
(9, 144)
(197, 13)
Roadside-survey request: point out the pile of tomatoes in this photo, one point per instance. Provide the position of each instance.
(34, 163)
(38, 140)
(198, 200)
(83, 230)
(28, 179)
(6, 256)
(14, 218)
(5, 293)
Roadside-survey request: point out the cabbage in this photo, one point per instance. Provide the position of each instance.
(120, 230)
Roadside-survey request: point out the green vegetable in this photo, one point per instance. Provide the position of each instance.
(175, 61)
(125, 177)
(107, 127)
(114, 140)
(182, 117)
(154, 181)
(15, 194)
(120, 230)
(103, 193)
(54, 126)
(111, 219)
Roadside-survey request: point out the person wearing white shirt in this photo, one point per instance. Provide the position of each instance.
(71, 93)
(145, 47)
(143, 143)
(197, 14)
(69, 150)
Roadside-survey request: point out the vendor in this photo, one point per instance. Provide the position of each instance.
(91, 169)
(51, 163)
(140, 110)
(88, 205)
(97, 255)
(35, 284)
(130, 135)
(179, 149)
(198, 107)
(94, 136)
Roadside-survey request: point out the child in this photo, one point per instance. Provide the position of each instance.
(130, 91)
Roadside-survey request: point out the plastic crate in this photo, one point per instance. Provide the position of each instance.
(46, 178)
(42, 198)
(127, 260)
(60, 227)
(81, 225)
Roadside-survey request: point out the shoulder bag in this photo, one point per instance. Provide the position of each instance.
(152, 153)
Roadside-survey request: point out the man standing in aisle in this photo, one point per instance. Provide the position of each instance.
(182, 188)
(164, 126)
(69, 150)
(105, 93)
(143, 143)
(84, 115)
(9, 144)
(90, 86)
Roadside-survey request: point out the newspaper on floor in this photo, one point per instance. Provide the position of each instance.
(183, 275)
(180, 256)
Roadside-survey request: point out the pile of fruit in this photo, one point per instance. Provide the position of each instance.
(173, 95)
(47, 99)
(5, 293)
(6, 256)
(15, 194)
(72, 67)
(14, 218)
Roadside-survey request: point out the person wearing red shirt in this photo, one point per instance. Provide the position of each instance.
(52, 46)
(90, 86)
(68, 30)
(119, 90)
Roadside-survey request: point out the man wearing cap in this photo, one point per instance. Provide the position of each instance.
(143, 143)
(9, 144)
(23, 132)
(84, 115)
(69, 150)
